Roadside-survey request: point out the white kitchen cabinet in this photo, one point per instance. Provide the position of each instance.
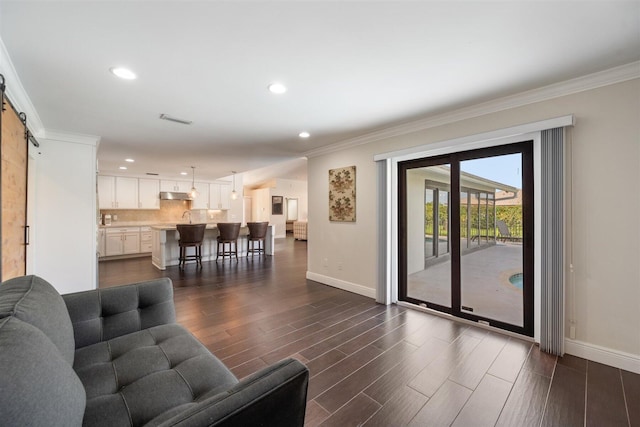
(183, 186)
(113, 244)
(131, 243)
(179, 186)
(106, 192)
(202, 201)
(146, 239)
(122, 241)
(117, 192)
(126, 192)
(148, 193)
(225, 196)
(220, 196)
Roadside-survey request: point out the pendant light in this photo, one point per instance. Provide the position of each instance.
(194, 192)
(234, 194)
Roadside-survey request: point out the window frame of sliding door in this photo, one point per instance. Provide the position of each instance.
(402, 225)
(524, 148)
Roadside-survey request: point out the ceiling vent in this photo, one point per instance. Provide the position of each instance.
(175, 119)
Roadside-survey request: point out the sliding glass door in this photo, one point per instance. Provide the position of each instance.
(428, 234)
(466, 235)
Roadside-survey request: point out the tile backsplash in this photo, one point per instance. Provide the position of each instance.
(170, 211)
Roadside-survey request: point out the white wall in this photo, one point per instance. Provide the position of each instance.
(605, 303)
(343, 254)
(64, 214)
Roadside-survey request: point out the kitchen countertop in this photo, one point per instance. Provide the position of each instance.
(155, 225)
(172, 226)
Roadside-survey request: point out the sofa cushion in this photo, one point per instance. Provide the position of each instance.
(108, 313)
(38, 386)
(33, 300)
(131, 380)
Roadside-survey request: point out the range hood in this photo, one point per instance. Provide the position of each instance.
(174, 195)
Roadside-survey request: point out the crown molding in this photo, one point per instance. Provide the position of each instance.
(580, 84)
(471, 142)
(76, 138)
(17, 94)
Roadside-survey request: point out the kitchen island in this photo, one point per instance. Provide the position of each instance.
(165, 250)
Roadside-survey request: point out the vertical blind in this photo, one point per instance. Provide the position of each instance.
(552, 242)
(382, 295)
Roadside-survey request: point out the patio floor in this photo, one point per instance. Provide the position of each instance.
(485, 283)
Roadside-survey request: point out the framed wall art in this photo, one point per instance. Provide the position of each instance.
(342, 194)
(276, 205)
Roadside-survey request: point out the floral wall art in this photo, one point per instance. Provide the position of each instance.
(342, 194)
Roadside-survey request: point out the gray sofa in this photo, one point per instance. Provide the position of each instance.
(116, 357)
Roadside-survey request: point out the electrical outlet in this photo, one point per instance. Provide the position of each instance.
(325, 262)
(115, 217)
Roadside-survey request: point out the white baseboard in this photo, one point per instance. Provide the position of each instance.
(342, 284)
(618, 359)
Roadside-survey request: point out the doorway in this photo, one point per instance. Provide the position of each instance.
(292, 214)
(466, 235)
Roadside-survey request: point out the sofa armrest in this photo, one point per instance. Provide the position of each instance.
(103, 314)
(273, 396)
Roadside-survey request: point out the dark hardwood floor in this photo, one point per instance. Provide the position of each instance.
(382, 366)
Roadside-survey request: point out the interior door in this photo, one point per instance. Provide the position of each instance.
(13, 192)
(466, 235)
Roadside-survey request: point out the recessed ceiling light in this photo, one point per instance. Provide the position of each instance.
(129, 160)
(304, 134)
(277, 88)
(184, 173)
(123, 168)
(123, 73)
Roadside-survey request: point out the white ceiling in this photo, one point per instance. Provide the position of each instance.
(351, 67)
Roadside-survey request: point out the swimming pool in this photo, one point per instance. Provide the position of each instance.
(516, 280)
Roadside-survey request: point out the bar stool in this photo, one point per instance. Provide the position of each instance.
(191, 235)
(228, 235)
(257, 234)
